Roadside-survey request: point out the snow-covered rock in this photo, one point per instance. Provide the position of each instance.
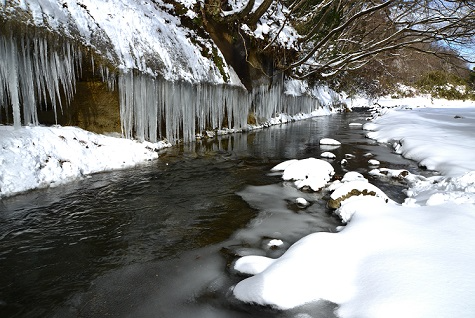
(329, 155)
(374, 162)
(354, 188)
(329, 141)
(131, 35)
(301, 202)
(307, 173)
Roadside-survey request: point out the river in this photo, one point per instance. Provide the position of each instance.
(159, 240)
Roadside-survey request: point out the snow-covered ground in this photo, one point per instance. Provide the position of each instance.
(413, 259)
(36, 157)
(391, 260)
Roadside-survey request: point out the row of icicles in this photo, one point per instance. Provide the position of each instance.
(34, 72)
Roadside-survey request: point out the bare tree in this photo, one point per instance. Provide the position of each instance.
(342, 35)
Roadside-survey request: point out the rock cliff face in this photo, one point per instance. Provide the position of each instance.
(103, 40)
(147, 69)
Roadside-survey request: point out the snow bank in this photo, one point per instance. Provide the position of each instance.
(35, 157)
(391, 260)
(419, 101)
(451, 149)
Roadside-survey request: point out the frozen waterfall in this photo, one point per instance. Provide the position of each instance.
(180, 110)
(34, 72)
(37, 71)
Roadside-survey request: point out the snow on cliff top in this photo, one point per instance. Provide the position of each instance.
(140, 35)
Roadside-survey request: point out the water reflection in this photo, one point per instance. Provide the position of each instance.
(159, 239)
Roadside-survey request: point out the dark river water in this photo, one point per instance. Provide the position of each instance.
(159, 240)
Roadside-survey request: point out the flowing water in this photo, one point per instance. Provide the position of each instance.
(159, 240)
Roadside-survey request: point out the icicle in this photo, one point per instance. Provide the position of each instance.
(12, 81)
(31, 73)
(107, 77)
(27, 86)
(126, 97)
(185, 109)
(92, 63)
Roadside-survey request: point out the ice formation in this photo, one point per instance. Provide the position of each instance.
(33, 71)
(37, 70)
(187, 109)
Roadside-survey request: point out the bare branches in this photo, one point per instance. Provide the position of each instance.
(357, 32)
(339, 35)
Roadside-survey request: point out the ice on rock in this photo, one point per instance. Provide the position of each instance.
(34, 70)
(188, 109)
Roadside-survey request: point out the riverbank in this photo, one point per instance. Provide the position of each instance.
(391, 260)
(39, 157)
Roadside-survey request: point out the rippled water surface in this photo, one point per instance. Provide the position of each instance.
(158, 240)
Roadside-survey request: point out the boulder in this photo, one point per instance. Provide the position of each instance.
(354, 188)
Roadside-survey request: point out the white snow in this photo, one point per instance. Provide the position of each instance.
(302, 202)
(36, 157)
(451, 149)
(327, 154)
(329, 141)
(275, 243)
(353, 176)
(373, 162)
(139, 35)
(272, 25)
(391, 260)
(310, 172)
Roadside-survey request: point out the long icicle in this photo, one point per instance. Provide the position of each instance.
(34, 72)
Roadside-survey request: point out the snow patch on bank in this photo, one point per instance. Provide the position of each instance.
(451, 149)
(37, 157)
